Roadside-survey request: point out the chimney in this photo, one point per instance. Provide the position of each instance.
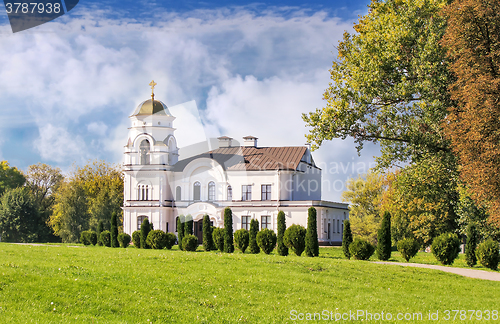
(225, 141)
(250, 141)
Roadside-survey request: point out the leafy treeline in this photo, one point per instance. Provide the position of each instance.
(421, 79)
(43, 205)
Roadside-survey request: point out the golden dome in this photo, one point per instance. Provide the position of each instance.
(152, 107)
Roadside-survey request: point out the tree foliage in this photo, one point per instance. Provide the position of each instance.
(470, 246)
(389, 83)
(180, 230)
(228, 231)
(114, 230)
(384, 245)
(473, 42)
(208, 241)
(19, 217)
(254, 230)
(10, 177)
(364, 195)
(281, 247)
(346, 238)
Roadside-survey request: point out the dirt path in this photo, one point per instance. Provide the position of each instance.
(471, 273)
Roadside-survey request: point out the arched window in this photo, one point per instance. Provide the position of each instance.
(144, 149)
(211, 191)
(144, 192)
(197, 191)
(140, 219)
(229, 193)
(178, 193)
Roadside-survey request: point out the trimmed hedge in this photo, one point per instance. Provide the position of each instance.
(446, 247)
(471, 245)
(114, 230)
(180, 230)
(228, 231)
(105, 238)
(145, 229)
(408, 248)
(157, 239)
(136, 239)
(190, 243)
(171, 238)
(295, 238)
(93, 237)
(312, 244)
(218, 236)
(124, 240)
(254, 230)
(208, 241)
(188, 225)
(281, 247)
(384, 238)
(241, 239)
(85, 238)
(361, 249)
(488, 254)
(347, 239)
(266, 240)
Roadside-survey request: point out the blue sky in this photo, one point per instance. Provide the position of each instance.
(243, 68)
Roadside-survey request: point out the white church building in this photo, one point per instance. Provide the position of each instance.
(255, 182)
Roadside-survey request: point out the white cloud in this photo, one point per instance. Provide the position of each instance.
(97, 128)
(57, 144)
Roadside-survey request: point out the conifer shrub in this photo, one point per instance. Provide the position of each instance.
(361, 249)
(84, 238)
(242, 239)
(106, 238)
(266, 239)
(145, 229)
(312, 244)
(295, 238)
(100, 228)
(228, 231)
(136, 239)
(218, 236)
(253, 246)
(124, 240)
(114, 230)
(93, 237)
(190, 243)
(471, 245)
(157, 239)
(188, 225)
(170, 240)
(180, 230)
(446, 247)
(408, 247)
(346, 239)
(384, 238)
(281, 247)
(208, 241)
(488, 254)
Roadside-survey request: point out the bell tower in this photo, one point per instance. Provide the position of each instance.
(150, 153)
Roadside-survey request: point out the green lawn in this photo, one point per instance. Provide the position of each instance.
(64, 284)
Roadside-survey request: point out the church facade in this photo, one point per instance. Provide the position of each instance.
(255, 182)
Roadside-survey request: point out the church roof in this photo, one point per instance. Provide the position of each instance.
(251, 158)
(148, 108)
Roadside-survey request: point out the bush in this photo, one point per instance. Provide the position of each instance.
(105, 238)
(228, 231)
(384, 238)
(408, 248)
(171, 238)
(241, 239)
(218, 236)
(346, 239)
(93, 237)
(266, 240)
(136, 239)
(488, 254)
(190, 242)
(124, 240)
(361, 249)
(180, 230)
(145, 229)
(85, 238)
(100, 228)
(295, 238)
(281, 247)
(188, 225)
(312, 244)
(446, 247)
(254, 229)
(208, 241)
(470, 246)
(157, 239)
(114, 230)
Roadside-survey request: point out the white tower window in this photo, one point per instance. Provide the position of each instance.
(197, 191)
(178, 192)
(229, 193)
(144, 149)
(144, 192)
(211, 191)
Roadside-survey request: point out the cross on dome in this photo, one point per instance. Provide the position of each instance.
(152, 84)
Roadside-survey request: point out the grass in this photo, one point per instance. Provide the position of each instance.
(65, 284)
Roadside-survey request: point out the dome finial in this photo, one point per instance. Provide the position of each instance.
(152, 84)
